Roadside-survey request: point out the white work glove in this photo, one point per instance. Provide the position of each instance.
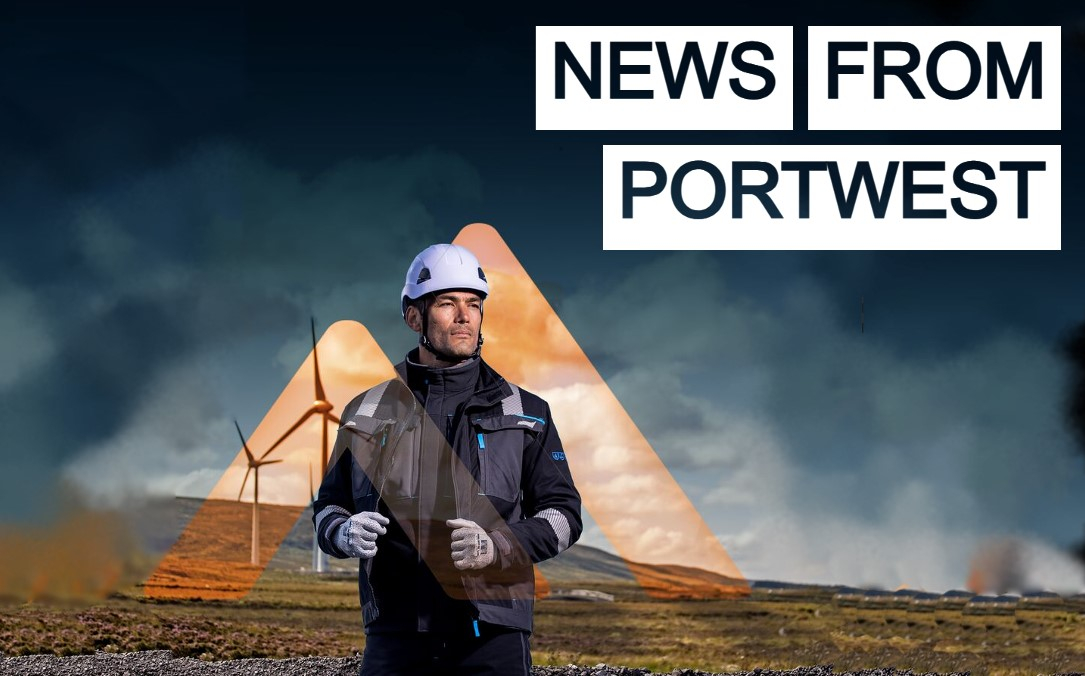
(472, 547)
(357, 536)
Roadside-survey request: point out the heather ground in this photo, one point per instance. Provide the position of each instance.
(294, 615)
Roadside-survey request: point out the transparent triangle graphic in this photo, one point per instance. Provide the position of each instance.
(638, 505)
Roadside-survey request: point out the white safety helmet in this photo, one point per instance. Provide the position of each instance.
(442, 267)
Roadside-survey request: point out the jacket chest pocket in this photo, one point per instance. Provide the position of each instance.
(500, 442)
(370, 447)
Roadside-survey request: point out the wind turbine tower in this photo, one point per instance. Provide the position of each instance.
(322, 407)
(254, 467)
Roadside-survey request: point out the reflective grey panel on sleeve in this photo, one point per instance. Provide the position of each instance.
(334, 512)
(371, 399)
(512, 405)
(560, 525)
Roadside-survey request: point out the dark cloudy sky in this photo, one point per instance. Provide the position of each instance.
(180, 189)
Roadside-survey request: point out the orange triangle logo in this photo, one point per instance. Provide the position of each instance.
(624, 485)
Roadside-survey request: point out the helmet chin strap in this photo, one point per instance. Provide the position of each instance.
(423, 339)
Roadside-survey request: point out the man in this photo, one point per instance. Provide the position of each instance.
(448, 482)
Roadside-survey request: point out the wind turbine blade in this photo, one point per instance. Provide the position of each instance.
(243, 482)
(268, 462)
(243, 445)
(312, 496)
(316, 363)
(302, 419)
(333, 418)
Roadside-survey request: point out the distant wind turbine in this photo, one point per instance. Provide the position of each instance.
(254, 467)
(318, 556)
(322, 407)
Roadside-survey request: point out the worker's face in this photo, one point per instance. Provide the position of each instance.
(455, 319)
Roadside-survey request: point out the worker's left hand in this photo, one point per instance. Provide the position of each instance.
(472, 547)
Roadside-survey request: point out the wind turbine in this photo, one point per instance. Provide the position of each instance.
(322, 407)
(254, 467)
(318, 556)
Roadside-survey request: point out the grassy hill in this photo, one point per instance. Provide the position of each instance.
(224, 536)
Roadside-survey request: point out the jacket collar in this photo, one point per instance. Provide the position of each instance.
(451, 379)
(492, 387)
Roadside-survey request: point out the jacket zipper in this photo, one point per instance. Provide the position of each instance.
(481, 464)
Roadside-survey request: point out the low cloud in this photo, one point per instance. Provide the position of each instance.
(184, 302)
(27, 340)
(821, 453)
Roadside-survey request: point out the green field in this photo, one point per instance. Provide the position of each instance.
(292, 614)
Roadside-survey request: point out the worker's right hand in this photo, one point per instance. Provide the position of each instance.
(357, 536)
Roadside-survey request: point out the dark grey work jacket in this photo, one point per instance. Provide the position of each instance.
(505, 470)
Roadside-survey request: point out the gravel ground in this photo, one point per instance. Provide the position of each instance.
(162, 662)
